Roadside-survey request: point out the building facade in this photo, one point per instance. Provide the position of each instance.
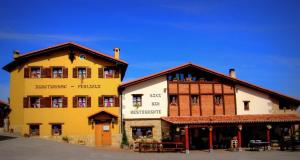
(66, 91)
(205, 109)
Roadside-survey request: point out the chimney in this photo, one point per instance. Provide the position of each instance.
(232, 73)
(16, 53)
(117, 53)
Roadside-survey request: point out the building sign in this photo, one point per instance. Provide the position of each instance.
(63, 86)
(155, 102)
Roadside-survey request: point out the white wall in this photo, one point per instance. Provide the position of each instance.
(260, 103)
(156, 86)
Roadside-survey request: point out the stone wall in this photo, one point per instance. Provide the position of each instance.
(156, 131)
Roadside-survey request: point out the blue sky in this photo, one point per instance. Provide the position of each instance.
(259, 38)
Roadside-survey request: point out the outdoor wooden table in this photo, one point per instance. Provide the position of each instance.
(159, 146)
(258, 145)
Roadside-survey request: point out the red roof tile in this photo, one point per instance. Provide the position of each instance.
(234, 119)
(234, 80)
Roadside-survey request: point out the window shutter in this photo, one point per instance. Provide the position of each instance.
(48, 102)
(43, 73)
(100, 72)
(75, 102)
(74, 72)
(48, 72)
(65, 102)
(116, 101)
(89, 72)
(43, 102)
(25, 102)
(88, 101)
(26, 72)
(117, 73)
(100, 101)
(65, 72)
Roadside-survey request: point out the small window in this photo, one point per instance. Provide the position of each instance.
(173, 100)
(246, 105)
(82, 57)
(218, 99)
(57, 72)
(34, 130)
(195, 99)
(56, 129)
(137, 100)
(57, 102)
(35, 102)
(108, 101)
(108, 72)
(82, 73)
(35, 72)
(82, 102)
(139, 132)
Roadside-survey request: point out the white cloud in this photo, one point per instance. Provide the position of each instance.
(51, 37)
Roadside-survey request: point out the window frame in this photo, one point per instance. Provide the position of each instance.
(197, 99)
(135, 101)
(31, 130)
(144, 130)
(246, 105)
(109, 98)
(218, 98)
(111, 74)
(62, 101)
(79, 97)
(171, 100)
(38, 75)
(59, 129)
(61, 74)
(30, 103)
(79, 75)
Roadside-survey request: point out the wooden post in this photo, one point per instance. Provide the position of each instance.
(210, 139)
(240, 127)
(187, 142)
(268, 135)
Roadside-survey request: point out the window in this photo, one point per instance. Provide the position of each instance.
(108, 72)
(82, 73)
(57, 102)
(82, 57)
(108, 101)
(56, 129)
(34, 129)
(35, 72)
(137, 100)
(82, 102)
(57, 72)
(138, 132)
(195, 99)
(35, 102)
(218, 99)
(173, 100)
(246, 105)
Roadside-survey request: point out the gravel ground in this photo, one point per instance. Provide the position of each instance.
(39, 149)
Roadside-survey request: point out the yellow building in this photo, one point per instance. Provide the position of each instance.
(67, 92)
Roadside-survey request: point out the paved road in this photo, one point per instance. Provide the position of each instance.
(39, 149)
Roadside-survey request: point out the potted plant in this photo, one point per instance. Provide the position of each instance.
(124, 144)
(66, 139)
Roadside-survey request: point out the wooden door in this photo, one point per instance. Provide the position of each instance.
(103, 134)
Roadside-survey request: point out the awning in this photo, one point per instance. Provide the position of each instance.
(103, 115)
(261, 118)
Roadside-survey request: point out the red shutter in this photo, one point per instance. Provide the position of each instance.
(26, 72)
(25, 102)
(65, 72)
(88, 101)
(74, 72)
(89, 73)
(117, 101)
(43, 102)
(75, 102)
(43, 74)
(100, 72)
(117, 73)
(48, 72)
(65, 102)
(100, 101)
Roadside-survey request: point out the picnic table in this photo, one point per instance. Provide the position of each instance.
(257, 145)
(159, 146)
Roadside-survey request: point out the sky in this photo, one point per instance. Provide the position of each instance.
(259, 38)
